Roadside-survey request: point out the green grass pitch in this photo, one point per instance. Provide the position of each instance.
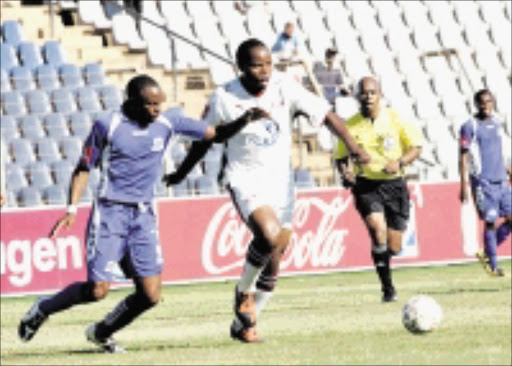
(335, 318)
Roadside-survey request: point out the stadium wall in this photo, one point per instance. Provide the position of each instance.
(203, 239)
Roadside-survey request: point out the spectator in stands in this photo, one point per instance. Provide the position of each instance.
(3, 158)
(122, 233)
(288, 47)
(481, 156)
(380, 192)
(329, 76)
(258, 169)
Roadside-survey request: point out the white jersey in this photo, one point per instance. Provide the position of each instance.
(261, 152)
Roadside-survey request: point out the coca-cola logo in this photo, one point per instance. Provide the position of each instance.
(317, 240)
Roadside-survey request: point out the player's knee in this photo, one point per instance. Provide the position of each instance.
(100, 290)
(150, 298)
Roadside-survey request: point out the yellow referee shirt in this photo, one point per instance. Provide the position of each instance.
(386, 139)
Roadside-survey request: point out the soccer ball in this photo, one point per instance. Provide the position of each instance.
(421, 314)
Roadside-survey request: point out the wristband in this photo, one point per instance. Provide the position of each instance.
(71, 209)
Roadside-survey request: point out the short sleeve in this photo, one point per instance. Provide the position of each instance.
(466, 136)
(93, 146)
(410, 133)
(305, 101)
(189, 127)
(213, 113)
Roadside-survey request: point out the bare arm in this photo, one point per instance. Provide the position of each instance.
(77, 186)
(338, 128)
(463, 167)
(346, 172)
(394, 167)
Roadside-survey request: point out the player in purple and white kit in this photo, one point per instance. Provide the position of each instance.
(481, 148)
(122, 236)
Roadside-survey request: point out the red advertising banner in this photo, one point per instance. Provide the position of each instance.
(203, 239)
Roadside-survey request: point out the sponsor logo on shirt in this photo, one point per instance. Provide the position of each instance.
(158, 144)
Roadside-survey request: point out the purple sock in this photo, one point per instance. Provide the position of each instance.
(74, 294)
(503, 232)
(490, 246)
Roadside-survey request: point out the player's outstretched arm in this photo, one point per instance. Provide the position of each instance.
(338, 128)
(78, 183)
(195, 154)
(225, 131)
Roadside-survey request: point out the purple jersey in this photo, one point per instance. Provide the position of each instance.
(483, 140)
(131, 156)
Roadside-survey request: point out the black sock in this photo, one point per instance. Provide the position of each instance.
(381, 262)
(74, 294)
(123, 314)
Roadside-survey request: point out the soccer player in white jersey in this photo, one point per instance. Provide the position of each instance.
(122, 232)
(258, 171)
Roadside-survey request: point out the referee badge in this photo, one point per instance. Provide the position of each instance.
(389, 142)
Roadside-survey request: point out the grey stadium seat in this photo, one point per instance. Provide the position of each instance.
(31, 127)
(29, 197)
(39, 175)
(22, 151)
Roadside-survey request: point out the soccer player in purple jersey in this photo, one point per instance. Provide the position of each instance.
(481, 156)
(122, 231)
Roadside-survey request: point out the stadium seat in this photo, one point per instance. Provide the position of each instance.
(63, 101)
(87, 195)
(5, 83)
(441, 13)
(38, 102)
(15, 178)
(258, 24)
(21, 78)
(29, 55)
(29, 197)
(399, 40)
(124, 32)
(425, 38)
(13, 102)
(93, 179)
(71, 148)
(93, 74)
(53, 54)
(80, 124)
(62, 171)
(47, 77)
(12, 32)
(55, 195)
(111, 97)
(47, 150)
(8, 58)
(304, 179)
(39, 175)
(91, 12)
(220, 71)
(206, 185)
(158, 45)
(56, 125)
(467, 14)
(70, 76)
(415, 14)
(388, 14)
(31, 127)
(22, 151)
(427, 108)
(184, 188)
(87, 99)
(9, 129)
(10, 199)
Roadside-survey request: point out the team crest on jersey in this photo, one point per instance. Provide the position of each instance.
(268, 137)
(158, 144)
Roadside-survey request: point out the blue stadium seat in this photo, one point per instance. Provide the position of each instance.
(38, 102)
(93, 179)
(183, 188)
(21, 78)
(8, 58)
(14, 177)
(71, 148)
(29, 197)
(206, 185)
(110, 97)
(52, 53)
(100, 115)
(93, 74)
(13, 33)
(304, 179)
(47, 150)
(13, 102)
(29, 55)
(31, 127)
(178, 152)
(5, 81)
(22, 151)
(212, 168)
(39, 175)
(9, 128)
(62, 171)
(55, 195)
(70, 76)
(80, 124)
(87, 99)
(63, 101)
(56, 125)
(47, 77)
(11, 200)
(87, 195)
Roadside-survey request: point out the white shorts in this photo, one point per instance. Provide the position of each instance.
(280, 197)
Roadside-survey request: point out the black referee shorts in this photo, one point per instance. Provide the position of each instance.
(388, 196)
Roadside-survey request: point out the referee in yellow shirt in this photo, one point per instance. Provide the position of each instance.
(380, 192)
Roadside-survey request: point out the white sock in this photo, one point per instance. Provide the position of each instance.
(247, 282)
(262, 298)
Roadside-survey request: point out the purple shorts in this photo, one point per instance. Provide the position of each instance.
(493, 200)
(122, 241)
